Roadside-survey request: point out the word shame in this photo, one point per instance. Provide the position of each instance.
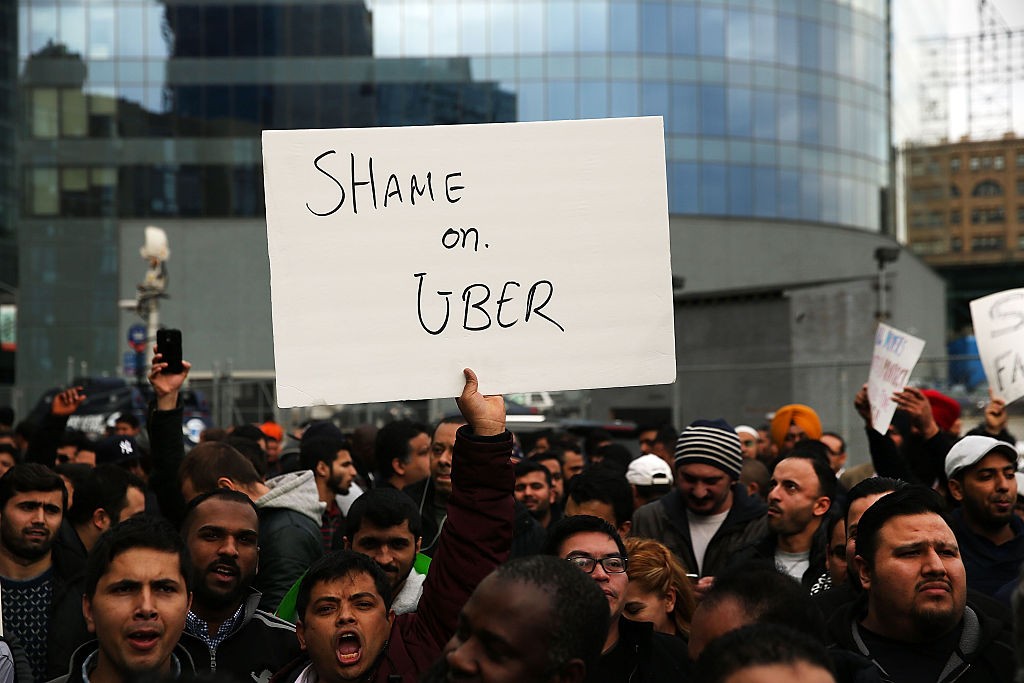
(367, 182)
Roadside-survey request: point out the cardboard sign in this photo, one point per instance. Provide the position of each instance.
(895, 355)
(535, 253)
(999, 329)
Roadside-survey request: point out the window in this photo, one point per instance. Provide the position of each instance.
(954, 191)
(954, 218)
(975, 163)
(999, 163)
(954, 164)
(1020, 159)
(1020, 186)
(987, 188)
(987, 243)
(985, 216)
(956, 245)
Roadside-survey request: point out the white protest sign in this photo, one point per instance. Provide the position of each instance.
(535, 253)
(896, 353)
(999, 328)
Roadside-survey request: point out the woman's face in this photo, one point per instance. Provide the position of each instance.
(642, 605)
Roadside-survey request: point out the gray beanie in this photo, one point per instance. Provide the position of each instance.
(710, 442)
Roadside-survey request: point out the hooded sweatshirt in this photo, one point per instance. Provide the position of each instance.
(290, 541)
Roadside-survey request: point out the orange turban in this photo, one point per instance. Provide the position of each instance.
(802, 415)
(272, 430)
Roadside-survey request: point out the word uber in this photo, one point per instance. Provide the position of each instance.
(475, 317)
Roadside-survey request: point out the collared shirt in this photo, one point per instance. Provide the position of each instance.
(89, 665)
(195, 626)
(330, 525)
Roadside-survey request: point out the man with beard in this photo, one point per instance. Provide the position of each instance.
(40, 607)
(981, 470)
(533, 490)
(800, 495)
(709, 516)
(224, 632)
(918, 624)
(330, 460)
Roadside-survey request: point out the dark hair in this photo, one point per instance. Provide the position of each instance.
(383, 508)
(336, 565)
(767, 596)
(605, 484)
(393, 442)
(11, 451)
(28, 477)
(75, 471)
(907, 501)
(758, 644)
(872, 486)
(578, 613)
(594, 438)
(811, 451)
(667, 435)
(219, 494)
(128, 419)
(140, 531)
(249, 431)
(321, 449)
(556, 454)
(106, 488)
(454, 419)
(525, 467)
(841, 440)
(615, 454)
(211, 460)
(566, 527)
(252, 451)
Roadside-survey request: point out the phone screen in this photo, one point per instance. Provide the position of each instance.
(169, 344)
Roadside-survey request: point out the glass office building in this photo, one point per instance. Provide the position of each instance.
(138, 111)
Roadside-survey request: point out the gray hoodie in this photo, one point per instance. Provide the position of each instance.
(290, 517)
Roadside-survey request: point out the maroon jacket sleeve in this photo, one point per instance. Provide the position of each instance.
(476, 538)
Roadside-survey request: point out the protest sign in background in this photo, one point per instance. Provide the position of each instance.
(895, 355)
(999, 330)
(535, 253)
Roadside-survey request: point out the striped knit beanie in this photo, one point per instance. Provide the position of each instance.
(710, 442)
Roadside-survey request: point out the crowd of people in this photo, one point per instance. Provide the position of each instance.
(719, 554)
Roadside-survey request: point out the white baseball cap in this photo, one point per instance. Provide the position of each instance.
(649, 470)
(970, 449)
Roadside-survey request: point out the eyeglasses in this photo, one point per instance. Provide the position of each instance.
(611, 565)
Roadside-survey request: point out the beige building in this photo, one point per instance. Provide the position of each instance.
(965, 202)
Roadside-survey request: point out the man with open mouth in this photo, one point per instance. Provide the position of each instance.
(224, 630)
(137, 593)
(346, 623)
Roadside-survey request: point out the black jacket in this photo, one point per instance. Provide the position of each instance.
(260, 645)
(989, 567)
(665, 520)
(652, 657)
(74, 672)
(764, 549)
(66, 630)
(983, 655)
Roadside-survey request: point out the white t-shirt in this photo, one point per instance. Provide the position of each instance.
(793, 564)
(702, 529)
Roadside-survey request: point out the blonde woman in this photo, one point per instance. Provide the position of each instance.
(659, 590)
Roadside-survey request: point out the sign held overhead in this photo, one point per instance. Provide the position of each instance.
(999, 330)
(535, 253)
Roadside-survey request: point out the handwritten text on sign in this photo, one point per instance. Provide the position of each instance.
(999, 328)
(536, 254)
(895, 355)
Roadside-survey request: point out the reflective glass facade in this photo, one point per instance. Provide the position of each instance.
(152, 109)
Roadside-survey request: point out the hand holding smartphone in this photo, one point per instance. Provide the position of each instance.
(168, 342)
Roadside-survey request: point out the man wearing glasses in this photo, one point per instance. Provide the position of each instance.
(632, 650)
